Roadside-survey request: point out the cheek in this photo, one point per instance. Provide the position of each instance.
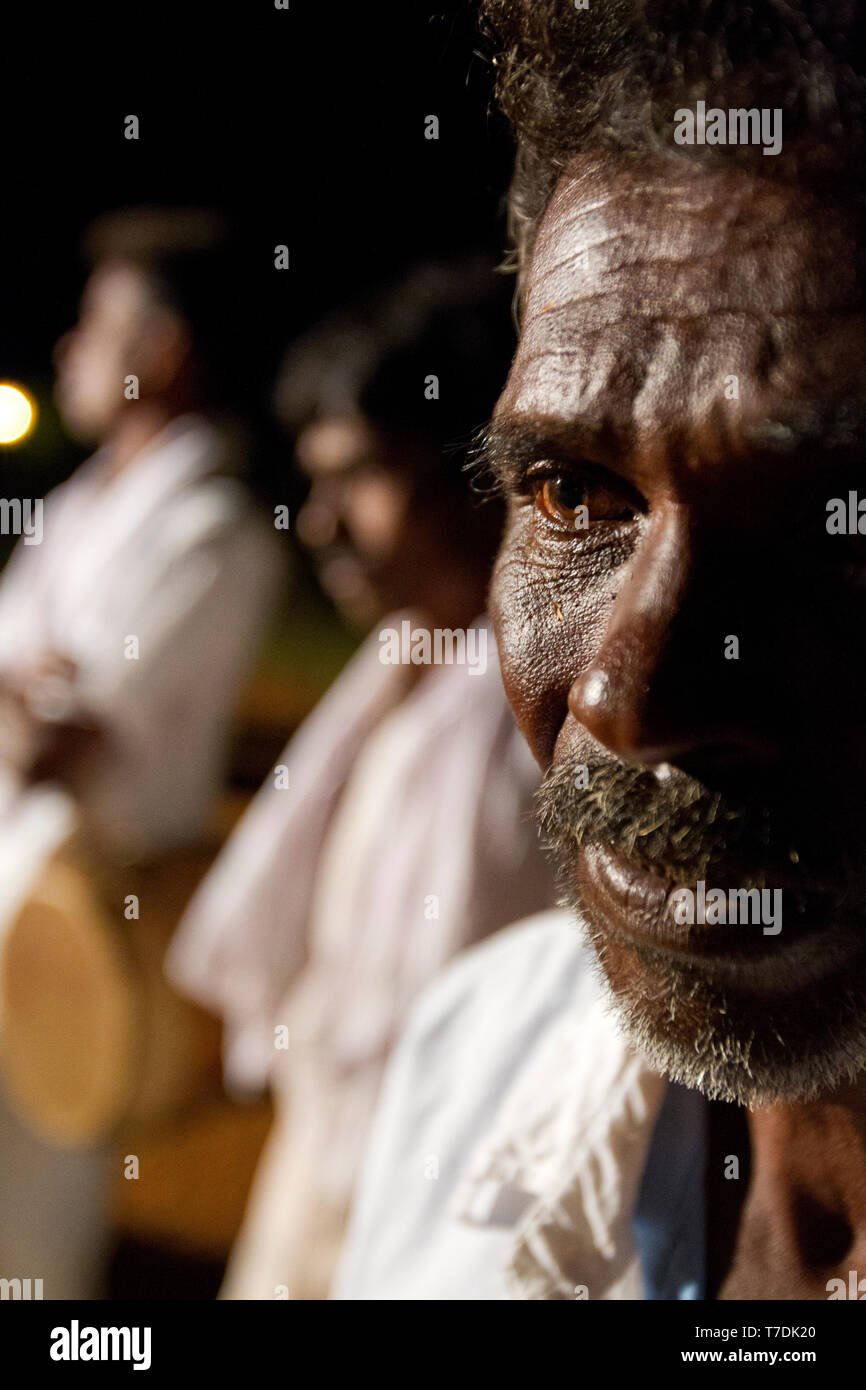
(548, 612)
(376, 515)
(100, 364)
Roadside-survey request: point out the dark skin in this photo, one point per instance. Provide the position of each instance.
(651, 286)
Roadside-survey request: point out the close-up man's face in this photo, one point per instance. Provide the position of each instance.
(681, 633)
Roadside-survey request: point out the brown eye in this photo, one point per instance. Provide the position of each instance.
(561, 500)
(575, 502)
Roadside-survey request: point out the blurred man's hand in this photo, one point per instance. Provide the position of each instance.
(42, 735)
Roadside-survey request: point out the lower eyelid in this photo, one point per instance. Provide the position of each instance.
(601, 536)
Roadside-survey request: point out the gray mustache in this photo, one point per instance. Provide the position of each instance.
(681, 829)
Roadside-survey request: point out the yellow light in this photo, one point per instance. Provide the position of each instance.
(17, 413)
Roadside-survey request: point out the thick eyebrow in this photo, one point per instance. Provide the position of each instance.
(507, 446)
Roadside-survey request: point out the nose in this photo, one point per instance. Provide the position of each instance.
(318, 523)
(61, 349)
(660, 688)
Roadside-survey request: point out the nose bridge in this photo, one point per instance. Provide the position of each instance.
(319, 522)
(654, 593)
(62, 346)
(632, 693)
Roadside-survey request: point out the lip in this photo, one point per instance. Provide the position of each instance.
(340, 572)
(636, 904)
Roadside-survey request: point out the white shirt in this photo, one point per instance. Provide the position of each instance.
(169, 552)
(169, 555)
(404, 834)
(511, 1137)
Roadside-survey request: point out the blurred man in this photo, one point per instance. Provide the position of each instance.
(678, 603)
(397, 829)
(125, 634)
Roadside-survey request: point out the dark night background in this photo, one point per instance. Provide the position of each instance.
(307, 125)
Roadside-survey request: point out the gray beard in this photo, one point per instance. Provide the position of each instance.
(699, 1023)
(734, 1047)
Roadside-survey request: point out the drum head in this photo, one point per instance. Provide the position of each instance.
(67, 1012)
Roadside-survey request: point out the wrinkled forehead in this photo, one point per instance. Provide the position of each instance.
(650, 284)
